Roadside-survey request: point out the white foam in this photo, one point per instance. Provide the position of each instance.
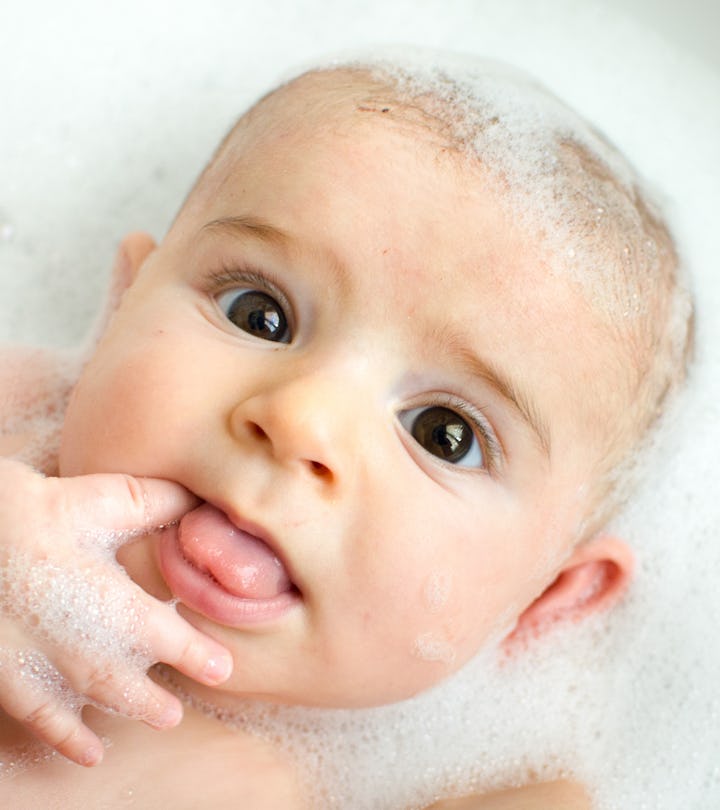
(629, 705)
(81, 613)
(80, 609)
(21, 758)
(35, 385)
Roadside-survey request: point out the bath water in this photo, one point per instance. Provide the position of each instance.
(101, 135)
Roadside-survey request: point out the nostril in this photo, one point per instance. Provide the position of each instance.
(257, 431)
(320, 470)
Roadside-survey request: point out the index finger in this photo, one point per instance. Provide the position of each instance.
(116, 501)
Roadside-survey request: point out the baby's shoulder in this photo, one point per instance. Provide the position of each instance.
(556, 795)
(35, 384)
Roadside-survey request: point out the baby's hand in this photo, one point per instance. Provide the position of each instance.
(74, 629)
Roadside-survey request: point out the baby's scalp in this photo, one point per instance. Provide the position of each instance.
(561, 181)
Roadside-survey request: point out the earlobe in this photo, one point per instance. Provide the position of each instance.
(593, 578)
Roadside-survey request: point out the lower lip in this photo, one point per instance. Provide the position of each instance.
(203, 594)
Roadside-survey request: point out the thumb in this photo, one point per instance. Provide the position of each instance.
(116, 501)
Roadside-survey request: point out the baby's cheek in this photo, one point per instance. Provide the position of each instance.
(88, 429)
(73, 442)
(438, 626)
(457, 616)
(115, 412)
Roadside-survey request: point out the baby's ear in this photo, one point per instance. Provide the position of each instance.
(131, 254)
(594, 577)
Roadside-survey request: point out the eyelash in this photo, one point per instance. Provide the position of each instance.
(229, 276)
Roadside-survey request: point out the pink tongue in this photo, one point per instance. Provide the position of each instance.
(242, 563)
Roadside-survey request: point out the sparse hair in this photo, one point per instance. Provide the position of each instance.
(563, 181)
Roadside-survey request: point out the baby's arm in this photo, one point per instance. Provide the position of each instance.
(74, 629)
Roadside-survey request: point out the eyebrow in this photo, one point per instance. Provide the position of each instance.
(248, 226)
(253, 227)
(505, 386)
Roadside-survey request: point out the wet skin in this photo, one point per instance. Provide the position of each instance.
(406, 289)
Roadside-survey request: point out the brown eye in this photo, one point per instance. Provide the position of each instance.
(443, 433)
(256, 313)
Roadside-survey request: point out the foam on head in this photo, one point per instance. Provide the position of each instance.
(561, 182)
(574, 193)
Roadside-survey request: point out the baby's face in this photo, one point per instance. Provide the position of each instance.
(378, 388)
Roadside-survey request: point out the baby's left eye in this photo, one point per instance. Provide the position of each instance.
(445, 434)
(257, 313)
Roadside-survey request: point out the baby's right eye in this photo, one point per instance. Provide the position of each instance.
(257, 313)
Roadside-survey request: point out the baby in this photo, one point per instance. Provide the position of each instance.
(399, 345)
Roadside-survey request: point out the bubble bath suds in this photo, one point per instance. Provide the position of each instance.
(627, 703)
(73, 612)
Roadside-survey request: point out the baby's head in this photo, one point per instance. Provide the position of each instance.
(400, 337)
(559, 183)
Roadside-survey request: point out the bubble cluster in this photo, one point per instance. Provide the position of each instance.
(82, 611)
(562, 181)
(23, 757)
(35, 384)
(628, 705)
(73, 615)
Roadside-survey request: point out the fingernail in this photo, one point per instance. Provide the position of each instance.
(91, 756)
(170, 717)
(217, 669)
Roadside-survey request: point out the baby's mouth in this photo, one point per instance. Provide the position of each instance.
(240, 562)
(227, 570)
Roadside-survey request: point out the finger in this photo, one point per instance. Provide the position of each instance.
(122, 502)
(63, 730)
(36, 694)
(176, 642)
(169, 715)
(49, 719)
(133, 694)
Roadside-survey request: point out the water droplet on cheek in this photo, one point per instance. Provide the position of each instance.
(436, 591)
(432, 647)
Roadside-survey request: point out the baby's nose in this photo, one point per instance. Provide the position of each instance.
(304, 423)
